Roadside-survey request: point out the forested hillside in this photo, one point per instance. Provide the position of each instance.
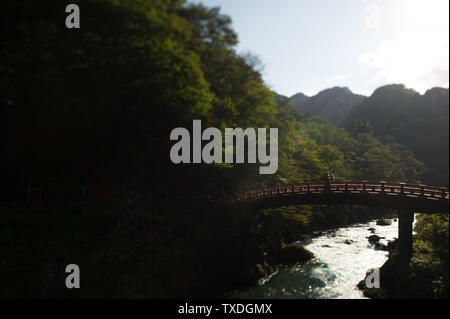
(97, 105)
(331, 104)
(298, 99)
(420, 122)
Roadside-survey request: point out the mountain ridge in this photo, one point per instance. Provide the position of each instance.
(332, 104)
(420, 122)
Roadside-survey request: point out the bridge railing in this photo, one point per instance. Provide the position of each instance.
(346, 187)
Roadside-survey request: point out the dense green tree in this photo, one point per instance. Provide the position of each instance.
(97, 105)
(420, 122)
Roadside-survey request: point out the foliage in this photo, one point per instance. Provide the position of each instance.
(96, 105)
(419, 122)
(331, 104)
(426, 276)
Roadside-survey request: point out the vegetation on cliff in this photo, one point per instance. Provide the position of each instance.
(97, 105)
(426, 276)
(419, 122)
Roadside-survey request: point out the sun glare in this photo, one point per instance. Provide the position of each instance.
(417, 54)
(425, 14)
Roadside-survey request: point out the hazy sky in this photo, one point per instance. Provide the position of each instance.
(309, 45)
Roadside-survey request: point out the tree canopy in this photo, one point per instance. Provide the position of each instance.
(97, 104)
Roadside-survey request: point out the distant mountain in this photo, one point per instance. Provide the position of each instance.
(281, 99)
(299, 99)
(331, 104)
(420, 122)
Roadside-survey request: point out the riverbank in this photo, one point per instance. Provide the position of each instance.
(278, 227)
(342, 257)
(426, 276)
(140, 249)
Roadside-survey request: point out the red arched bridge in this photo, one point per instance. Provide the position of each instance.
(406, 198)
(420, 198)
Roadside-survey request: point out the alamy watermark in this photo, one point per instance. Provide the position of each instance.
(373, 279)
(212, 151)
(73, 19)
(73, 279)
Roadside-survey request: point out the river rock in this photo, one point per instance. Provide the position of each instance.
(374, 239)
(372, 230)
(380, 246)
(383, 222)
(290, 255)
(261, 269)
(349, 241)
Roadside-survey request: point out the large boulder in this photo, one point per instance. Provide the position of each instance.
(380, 246)
(374, 239)
(383, 222)
(293, 254)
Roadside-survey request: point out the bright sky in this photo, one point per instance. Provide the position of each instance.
(307, 46)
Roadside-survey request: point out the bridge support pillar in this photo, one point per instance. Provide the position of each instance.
(405, 229)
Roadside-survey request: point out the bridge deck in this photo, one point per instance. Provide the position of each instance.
(385, 194)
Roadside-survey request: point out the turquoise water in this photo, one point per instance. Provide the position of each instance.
(343, 256)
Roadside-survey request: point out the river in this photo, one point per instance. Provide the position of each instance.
(343, 256)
